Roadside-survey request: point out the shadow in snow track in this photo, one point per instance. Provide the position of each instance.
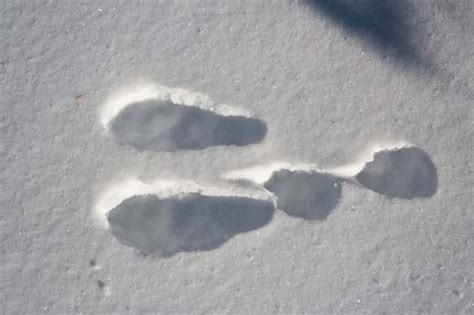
(166, 226)
(164, 126)
(308, 195)
(404, 173)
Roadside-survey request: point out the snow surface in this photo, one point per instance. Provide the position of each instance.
(328, 79)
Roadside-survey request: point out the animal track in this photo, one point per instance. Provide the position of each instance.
(163, 119)
(398, 170)
(306, 194)
(183, 218)
(165, 218)
(407, 173)
(300, 192)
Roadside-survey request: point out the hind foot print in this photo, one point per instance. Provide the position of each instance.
(159, 118)
(407, 172)
(301, 192)
(165, 218)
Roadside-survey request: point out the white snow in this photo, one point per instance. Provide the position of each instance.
(325, 86)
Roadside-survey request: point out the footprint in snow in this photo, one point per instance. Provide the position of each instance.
(165, 218)
(396, 171)
(165, 119)
(303, 192)
(404, 173)
(310, 195)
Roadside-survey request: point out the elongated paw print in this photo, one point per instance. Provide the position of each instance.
(164, 119)
(169, 217)
(166, 217)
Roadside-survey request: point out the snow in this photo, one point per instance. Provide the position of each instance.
(326, 89)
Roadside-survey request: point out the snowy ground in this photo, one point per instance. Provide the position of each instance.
(328, 80)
